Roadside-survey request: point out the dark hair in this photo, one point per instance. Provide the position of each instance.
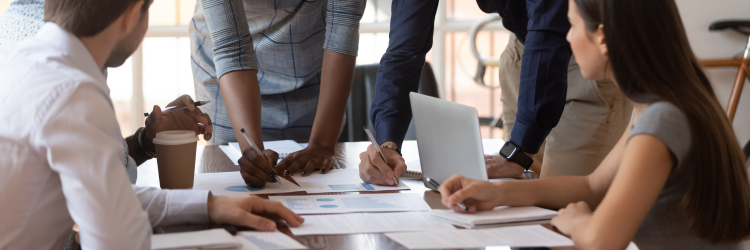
(85, 18)
(652, 61)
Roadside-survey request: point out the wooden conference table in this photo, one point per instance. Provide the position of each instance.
(210, 159)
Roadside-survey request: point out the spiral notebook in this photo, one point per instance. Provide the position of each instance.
(284, 147)
(498, 217)
(412, 174)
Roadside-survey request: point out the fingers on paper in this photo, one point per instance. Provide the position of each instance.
(251, 180)
(275, 207)
(378, 162)
(369, 173)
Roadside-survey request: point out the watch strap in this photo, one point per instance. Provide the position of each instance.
(524, 160)
(394, 148)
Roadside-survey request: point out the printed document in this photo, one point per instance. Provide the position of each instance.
(325, 204)
(335, 180)
(369, 223)
(254, 240)
(519, 236)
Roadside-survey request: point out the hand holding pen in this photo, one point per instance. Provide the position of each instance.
(256, 166)
(476, 195)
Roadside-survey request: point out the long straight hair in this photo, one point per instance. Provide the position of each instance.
(652, 61)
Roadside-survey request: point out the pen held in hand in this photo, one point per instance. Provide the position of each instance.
(437, 186)
(197, 104)
(258, 152)
(377, 148)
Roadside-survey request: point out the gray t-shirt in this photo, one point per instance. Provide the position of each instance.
(666, 225)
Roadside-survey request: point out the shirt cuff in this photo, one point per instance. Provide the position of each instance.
(390, 131)
(529, 138)
(188, 206)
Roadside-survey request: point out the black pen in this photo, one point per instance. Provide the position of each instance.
(437, 186)
(197, 104)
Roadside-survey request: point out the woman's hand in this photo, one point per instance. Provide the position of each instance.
(190, 118)
(306, 161)
(569, 218)
(256, 169)
(475, 194)
(244, 211)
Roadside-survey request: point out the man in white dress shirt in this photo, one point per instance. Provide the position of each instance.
(61, 150)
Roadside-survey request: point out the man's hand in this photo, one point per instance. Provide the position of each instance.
(568, 219)
(256, 170)
(475, 194)
(177, 119)
(373, 170)
(243, 211)
(306, 161)
(499, 167)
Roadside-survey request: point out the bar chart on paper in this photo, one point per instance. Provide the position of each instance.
(316, 204)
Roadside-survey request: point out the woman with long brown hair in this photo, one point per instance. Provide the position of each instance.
(676, 179)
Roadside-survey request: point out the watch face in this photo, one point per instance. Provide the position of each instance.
(508, 150)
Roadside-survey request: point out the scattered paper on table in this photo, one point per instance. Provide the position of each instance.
(233, 155)
(519, 236)
(369, 223)
(323, 204)
(205, 239)
(335, 180)
(253, 240)
(283, 147)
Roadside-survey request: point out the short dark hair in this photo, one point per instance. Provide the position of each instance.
(85, 18)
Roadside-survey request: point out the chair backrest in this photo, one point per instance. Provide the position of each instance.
(363, 93)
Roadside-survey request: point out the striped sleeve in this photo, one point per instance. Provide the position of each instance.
(233, 45)
(342, 25)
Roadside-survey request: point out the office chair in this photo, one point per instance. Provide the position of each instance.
(363, 93)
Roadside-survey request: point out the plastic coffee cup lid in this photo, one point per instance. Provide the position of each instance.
(175, 137)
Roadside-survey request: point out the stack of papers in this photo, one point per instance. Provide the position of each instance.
(519, 236)
(207, 239)
(335, 180)
(221, 239)
(252, 240)
(283, 148)
(325, 204)
(369, 223)
(500, 216)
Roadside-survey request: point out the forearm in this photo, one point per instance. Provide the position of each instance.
(553, 192)
(241, 93)
(336, 83)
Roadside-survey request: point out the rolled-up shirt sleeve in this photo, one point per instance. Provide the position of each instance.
(230, 33)
(342, 26)
(544, 74)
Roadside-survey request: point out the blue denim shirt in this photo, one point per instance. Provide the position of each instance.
(540, 25)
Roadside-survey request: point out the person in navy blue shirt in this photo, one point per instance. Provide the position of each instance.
(543, 93)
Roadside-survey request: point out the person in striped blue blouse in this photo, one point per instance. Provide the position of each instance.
(279, 69)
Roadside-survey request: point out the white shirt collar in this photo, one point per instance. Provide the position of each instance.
(70, 46)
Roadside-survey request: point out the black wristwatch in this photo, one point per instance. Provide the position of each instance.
(513, 152)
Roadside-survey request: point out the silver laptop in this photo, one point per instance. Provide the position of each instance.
(448, 139)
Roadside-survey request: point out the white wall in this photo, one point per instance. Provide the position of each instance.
(697, 15)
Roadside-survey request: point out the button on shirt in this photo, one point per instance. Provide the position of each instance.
(284, 40)
(61, 155)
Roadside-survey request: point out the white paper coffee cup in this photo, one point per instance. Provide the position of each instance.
(175, 155)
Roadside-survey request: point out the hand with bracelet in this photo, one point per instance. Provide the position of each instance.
(140, 144)
(373, 170)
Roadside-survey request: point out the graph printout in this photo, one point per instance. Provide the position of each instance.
(325, 204)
